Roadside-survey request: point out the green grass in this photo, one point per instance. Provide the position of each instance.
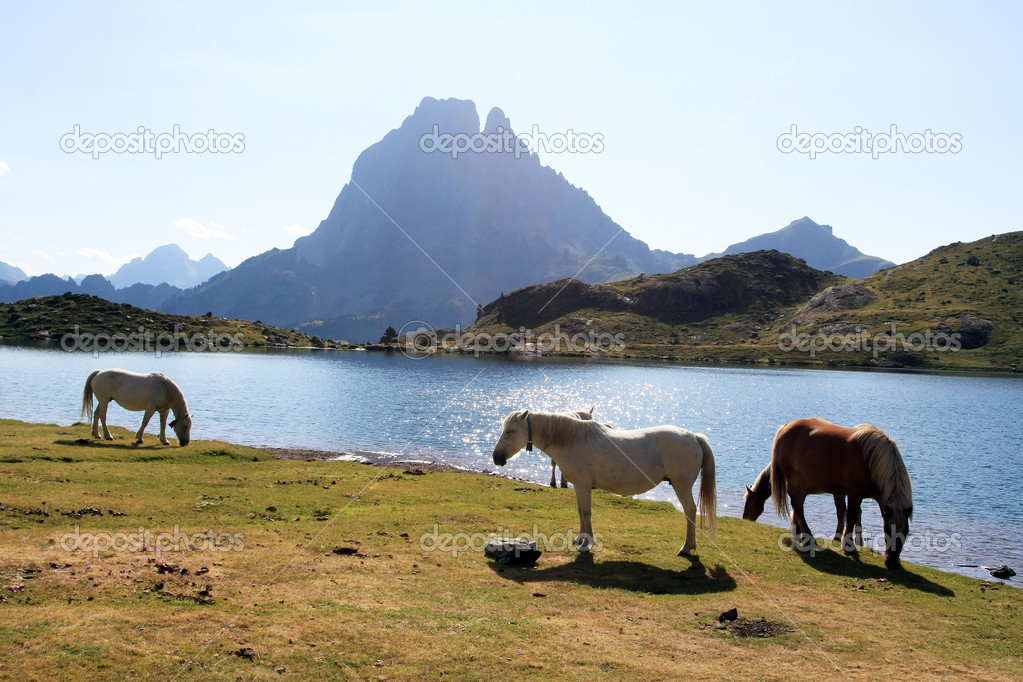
(394, 610)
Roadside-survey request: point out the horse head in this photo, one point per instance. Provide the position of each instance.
(514, 437)
(896, 530)
(183, 429)
(754, 506)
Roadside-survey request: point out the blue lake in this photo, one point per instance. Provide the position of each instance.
(961, 436)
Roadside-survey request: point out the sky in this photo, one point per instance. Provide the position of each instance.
(706, 113)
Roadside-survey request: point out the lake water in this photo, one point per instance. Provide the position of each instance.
(961, 436)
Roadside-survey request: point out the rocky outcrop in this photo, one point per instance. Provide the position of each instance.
(834, 299)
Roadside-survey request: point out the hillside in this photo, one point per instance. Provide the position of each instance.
(50, 318)
(816, 244)
(959, 307)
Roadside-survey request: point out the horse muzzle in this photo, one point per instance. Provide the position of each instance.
(500, 459)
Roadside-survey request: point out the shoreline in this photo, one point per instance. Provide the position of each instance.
(417, 467)
(711, 358)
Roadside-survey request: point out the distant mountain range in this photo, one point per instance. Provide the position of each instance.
(170, 264)
(145, 282)
(424, 236)
(421, 236)
(816, 244)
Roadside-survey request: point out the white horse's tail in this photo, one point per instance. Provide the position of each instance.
(87, 396)
(708, 486)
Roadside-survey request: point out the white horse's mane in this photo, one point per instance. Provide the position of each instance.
(554, 429)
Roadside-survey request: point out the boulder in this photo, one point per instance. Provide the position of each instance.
(515, 551)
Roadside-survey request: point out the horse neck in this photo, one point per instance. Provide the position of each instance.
(177, 401)
(761, 488)
(549, 431)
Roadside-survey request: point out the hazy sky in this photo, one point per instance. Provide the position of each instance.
(690, 100)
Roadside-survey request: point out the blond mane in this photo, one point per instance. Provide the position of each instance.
(887, 469)
(557, 430)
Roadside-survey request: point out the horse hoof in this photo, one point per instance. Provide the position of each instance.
(585, 549)
(685, 552)
(108, 437)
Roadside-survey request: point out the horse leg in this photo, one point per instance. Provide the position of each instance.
(840, 511)
(163, 428)
(685, 496)
(801, 533)
(585, 537)
(554, 469)
(145, 423)
(564, 483)
(101, 417)
(851, 522)
(95, 419)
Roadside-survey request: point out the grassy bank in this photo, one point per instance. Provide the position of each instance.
(326, 576)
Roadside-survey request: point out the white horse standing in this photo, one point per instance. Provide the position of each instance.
(137, 392)
(626, 462)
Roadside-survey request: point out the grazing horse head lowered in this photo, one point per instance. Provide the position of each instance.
(813, 456)
(150, 393)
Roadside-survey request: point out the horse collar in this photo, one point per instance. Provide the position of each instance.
(529, 434)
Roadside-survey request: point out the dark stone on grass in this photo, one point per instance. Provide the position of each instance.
(730, 614)
(512, 551)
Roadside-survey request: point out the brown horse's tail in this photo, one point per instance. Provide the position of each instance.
(708, 486)
(779, 487)
(87, 396)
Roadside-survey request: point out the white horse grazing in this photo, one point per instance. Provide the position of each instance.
(137, 392)
(626, 462)
(578, 414)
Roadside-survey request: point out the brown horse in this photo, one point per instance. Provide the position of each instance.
(757, 495)
(814, 456)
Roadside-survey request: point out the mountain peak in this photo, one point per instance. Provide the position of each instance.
(168, 263)
(817, 245)
(496, 119)
(806, 223)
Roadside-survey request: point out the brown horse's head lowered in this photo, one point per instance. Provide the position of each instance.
(813, 456)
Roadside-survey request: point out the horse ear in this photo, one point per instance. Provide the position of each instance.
(749, 491)
(525, 413)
